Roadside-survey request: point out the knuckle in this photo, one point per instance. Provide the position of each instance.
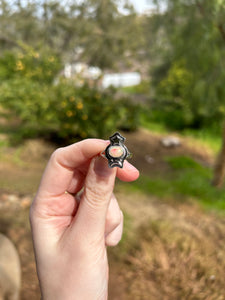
(112, 241)
(95, 195)
(114, 219)
(56, 154)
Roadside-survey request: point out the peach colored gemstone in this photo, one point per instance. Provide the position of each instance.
(115, 151)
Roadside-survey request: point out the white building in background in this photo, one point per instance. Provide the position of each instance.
(121, 79)
(80, 71)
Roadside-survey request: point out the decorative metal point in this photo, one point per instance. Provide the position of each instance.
(116, 152)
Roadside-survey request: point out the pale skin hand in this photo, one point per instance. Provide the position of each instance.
(70, 236)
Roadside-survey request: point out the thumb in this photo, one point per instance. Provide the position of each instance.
(98, 188)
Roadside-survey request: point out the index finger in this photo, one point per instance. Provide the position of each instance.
(59, 171)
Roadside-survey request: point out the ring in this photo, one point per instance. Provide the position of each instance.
(116, 152)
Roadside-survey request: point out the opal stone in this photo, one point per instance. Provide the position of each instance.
(116, 151)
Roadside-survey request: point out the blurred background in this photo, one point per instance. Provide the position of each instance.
(155, 71)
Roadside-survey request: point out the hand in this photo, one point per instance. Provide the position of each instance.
(70, 235)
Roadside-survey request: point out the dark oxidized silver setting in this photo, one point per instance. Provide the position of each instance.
(116, 152)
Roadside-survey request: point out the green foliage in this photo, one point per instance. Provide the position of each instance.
(189, 102)
(156, 120)
(210, 137)
(67, 110)
(86, 111)
(26, 100)
(143, 88)
(190, 77)
(29, 65)
(174, 98)
(152, 120)
(92, 31)
(39, 106)
(190, 181)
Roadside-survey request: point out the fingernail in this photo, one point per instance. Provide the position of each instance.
(101, 167)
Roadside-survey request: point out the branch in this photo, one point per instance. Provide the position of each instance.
(8, 41)
(201, 8)
(222, 30)
(219, 26)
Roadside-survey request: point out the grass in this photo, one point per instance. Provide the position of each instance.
(168, 261)
(148, 123)
(187, 181)
(210, 137)
(11, 154)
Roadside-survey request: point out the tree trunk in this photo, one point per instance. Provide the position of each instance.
(219, 169)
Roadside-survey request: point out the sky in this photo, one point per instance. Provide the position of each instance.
(143, 5)
(140, 5)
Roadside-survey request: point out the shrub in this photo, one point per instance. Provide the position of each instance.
(29, 64)
(188, 101)
(30, 95)
(87, 111)
(174, 97)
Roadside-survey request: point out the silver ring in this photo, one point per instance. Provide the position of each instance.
(116, 152)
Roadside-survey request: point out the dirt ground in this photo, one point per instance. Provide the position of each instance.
(169, 251)
(149, 154)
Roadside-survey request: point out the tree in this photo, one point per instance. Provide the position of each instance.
(194, 45)
(112, 33)
(98, 28)
(190, 81)
(219, 169)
